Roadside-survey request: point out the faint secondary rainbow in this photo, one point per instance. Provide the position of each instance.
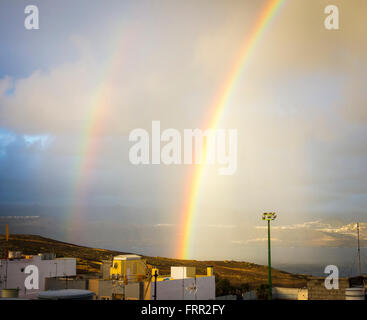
(191, 196)
(89, 143)
(88, 149)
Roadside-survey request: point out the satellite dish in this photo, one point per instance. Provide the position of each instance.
(193, 288)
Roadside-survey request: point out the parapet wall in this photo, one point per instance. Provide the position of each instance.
(317, 290)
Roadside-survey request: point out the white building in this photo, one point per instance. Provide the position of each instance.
(184, 284)
(13, 275)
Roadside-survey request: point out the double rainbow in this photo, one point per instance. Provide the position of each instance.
(266, 16)
(99, 112)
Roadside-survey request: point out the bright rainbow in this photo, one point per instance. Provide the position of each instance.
(265, 17)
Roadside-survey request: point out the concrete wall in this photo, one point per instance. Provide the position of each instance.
(105, 269)
(317, 291)
(281, 294)
(101, 288)
(134, 291)
(183, 289)
(60, 284)
(227, 297)
(303, 294)
(290, 293)
(251, 295)
(107, 288)
(13, 272)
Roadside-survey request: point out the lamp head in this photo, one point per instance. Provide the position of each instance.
(269, 216)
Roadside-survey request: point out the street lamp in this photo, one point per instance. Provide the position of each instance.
(155, 283)
(269, 216)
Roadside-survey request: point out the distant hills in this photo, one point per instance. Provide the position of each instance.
(89, 261)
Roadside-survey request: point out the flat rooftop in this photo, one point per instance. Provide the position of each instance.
(127, 257)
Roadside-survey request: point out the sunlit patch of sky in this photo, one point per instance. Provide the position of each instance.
(6, 138)
(41, 140)
(11, 89)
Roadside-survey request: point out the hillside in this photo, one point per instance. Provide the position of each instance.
(89, 260)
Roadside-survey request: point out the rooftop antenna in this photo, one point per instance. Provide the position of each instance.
(359, 251)
(6, 255)
(7, 240)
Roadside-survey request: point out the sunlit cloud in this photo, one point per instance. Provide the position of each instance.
(222, 226)
(262, 240)
(164, 225)
(305, 225)
(40, 140)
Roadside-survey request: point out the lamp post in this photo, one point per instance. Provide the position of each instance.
(155, 284)
(269, 216)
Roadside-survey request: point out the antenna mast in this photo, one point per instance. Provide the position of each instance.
(359, 252)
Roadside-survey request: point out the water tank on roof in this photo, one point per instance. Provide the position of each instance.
(66, 294)
(356, 293)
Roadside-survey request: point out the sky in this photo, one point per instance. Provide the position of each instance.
(299, 108)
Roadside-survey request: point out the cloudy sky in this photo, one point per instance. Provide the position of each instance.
(299, 108)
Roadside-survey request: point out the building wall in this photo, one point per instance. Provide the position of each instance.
(131, 269)
(63, 283)
(108, 288)
(281, 293)
(134, 291)
(13, 272)
(317, 291)
(182, 289)
(227, 297)
(105, 269)
(250, 295)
